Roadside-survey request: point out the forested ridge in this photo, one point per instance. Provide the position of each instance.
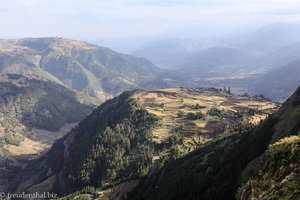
(113, 144)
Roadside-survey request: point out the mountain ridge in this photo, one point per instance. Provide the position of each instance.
(96, 70)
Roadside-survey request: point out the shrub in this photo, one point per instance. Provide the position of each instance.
(180, 113)
(214, 112)
(195, 116)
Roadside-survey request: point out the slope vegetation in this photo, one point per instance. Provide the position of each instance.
(279, 176)
(130, 137)
(33, 114)
(218, 168)
(31, 103)
(111, 145)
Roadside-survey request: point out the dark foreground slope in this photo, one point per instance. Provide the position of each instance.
(216, 170)
(112, 144)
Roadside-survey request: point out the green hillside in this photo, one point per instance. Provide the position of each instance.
(30, 103)
(111, 145)
(33, 114)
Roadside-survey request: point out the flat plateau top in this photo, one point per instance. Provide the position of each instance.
(173, 105)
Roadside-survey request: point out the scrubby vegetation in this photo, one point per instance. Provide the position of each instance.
(117, 143)
(112, 144)
(200, 113)
(195, 116)
(279, 178)
(214, 112)
(218, 168)
(118, 148)
(31, 103)
(211, 172)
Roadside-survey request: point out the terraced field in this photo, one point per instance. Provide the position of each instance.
(201, 114)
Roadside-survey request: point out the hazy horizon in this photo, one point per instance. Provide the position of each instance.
(116, 19)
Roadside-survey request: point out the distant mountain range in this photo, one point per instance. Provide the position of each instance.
(279, 82)
(257, 48)
(222, 61)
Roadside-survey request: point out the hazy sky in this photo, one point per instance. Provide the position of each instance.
(88, 19)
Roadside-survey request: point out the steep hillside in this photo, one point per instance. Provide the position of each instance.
(111, 145)
(96, 70)
(33, 114)
(279, 176)
(37, 103)
(217, 169)
(124, 138)
(31, 103)
(28, 105)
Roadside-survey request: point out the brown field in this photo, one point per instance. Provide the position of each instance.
(236, 111)
(35, 144)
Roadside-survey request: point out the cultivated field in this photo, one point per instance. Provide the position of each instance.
(201, 114)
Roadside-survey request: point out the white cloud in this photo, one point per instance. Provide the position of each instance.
(120, 18)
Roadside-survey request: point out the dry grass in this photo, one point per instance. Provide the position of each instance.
(35, 144)
(27, 147)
